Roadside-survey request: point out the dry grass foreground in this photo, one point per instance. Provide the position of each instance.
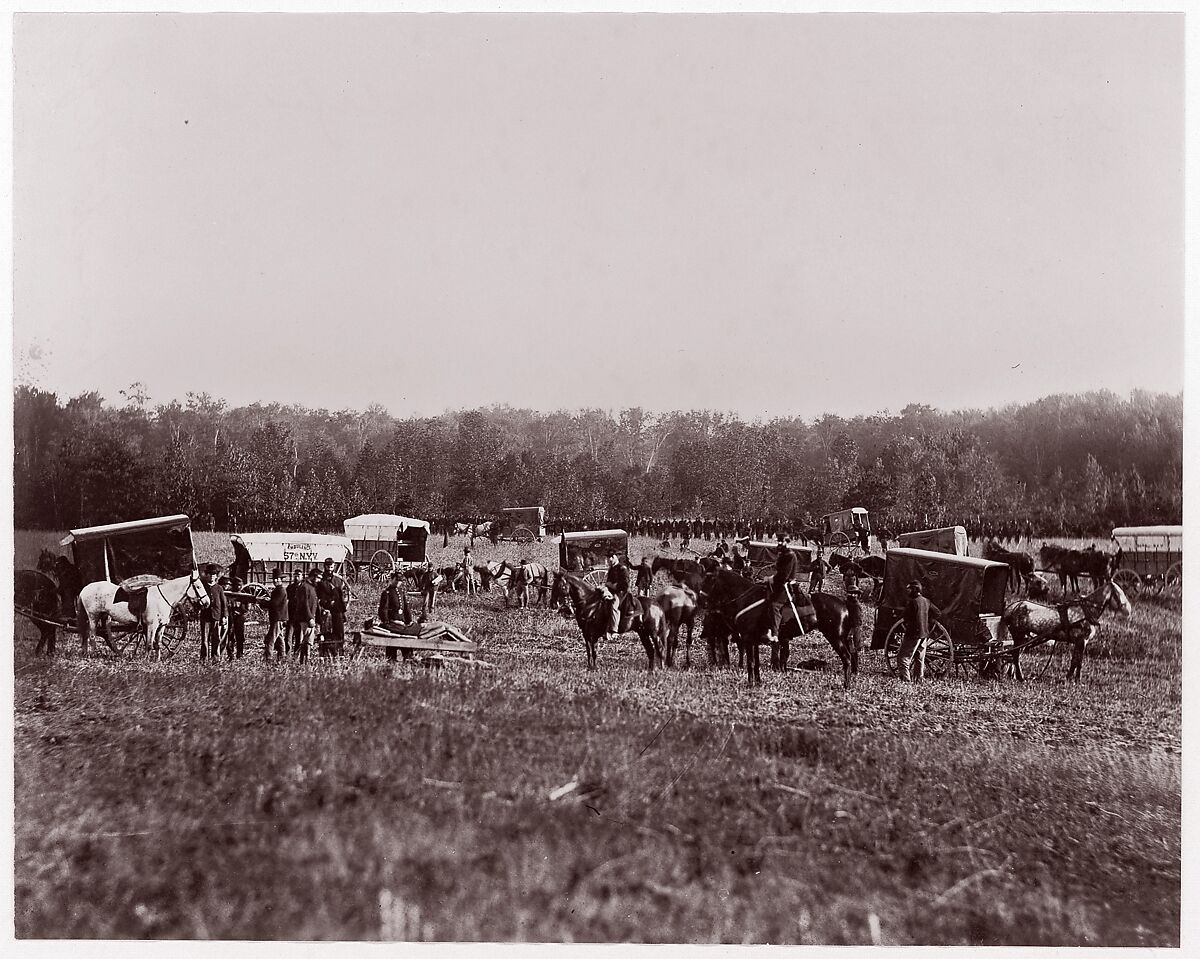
(361, 800)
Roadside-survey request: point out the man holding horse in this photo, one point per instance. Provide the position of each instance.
(212, 616)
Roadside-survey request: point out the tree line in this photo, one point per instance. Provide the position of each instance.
(1069, 464)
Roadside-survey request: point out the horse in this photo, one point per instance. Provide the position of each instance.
(1067, 563)
(674, 567)
(592, 613)
(1020, 565)
(741, 605)
(1025, 619)
(679, 606)
(811, 534)
(36, 595)
(98, 606)
(528, 576)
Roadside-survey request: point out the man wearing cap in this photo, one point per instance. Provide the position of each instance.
(235, 639)
(816, 572)
(308, 607)
(918, 614)
(333, 601)
(395, 613)
(212, 617)
(295, 626)
(277, 619)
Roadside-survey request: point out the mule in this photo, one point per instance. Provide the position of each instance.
(1074, 621)
(98, 607)
(592, 613)
(742, 607)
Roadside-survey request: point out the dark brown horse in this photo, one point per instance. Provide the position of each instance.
(741, 607)
(1020, 565)
(592, 614)
(36, 595)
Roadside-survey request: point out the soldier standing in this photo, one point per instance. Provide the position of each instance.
(918, 614)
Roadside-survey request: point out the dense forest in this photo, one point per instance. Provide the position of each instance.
(1072, 464)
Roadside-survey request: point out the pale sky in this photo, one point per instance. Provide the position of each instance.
(773, 214)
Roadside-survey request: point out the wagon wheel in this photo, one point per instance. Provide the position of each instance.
(175, 632)
(128, 642)
(839, 540)
(1129, 581)
(939, 650)
(257, 590)
(1043, 655)
(1173, 580)
(851, 551)
(595, 577)
(382, 563)
(350, 571)
(523, 534)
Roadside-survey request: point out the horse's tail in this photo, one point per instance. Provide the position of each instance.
(82, 621)
(1002, 629)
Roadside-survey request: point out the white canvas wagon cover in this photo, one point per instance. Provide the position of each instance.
(381, 526)
(294, 547)
(1146, 538)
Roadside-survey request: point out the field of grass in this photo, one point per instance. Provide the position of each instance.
(362, 799)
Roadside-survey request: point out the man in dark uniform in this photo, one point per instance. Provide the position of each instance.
(212, 617)
(616, 582)
(236, 640)
(308, 608)
(785, 571)
(277, 619)
(395, 612)
(918, 614)
(295, 626)
(333, 606)
(816, 572)
(645, 577)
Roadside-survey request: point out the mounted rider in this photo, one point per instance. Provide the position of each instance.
(785, 572)
(616, 593)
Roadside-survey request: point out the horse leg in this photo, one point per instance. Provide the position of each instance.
(648, 645)
(687, 656)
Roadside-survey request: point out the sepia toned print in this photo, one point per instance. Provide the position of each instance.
(599, 478)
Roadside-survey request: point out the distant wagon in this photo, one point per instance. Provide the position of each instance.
(383, 542)
(258, 555)
(1149, 558)
(969, 592)
(948, 539)
(587, 551)
(522, 524)
(844, 530)
(761, 555)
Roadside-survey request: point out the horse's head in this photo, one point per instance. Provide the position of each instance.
(1117, 601)
(196, 590)
(661, 562)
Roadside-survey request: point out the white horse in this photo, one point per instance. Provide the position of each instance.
(149, 609)
(1073, 621)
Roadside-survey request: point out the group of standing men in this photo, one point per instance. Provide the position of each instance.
(312, 606)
